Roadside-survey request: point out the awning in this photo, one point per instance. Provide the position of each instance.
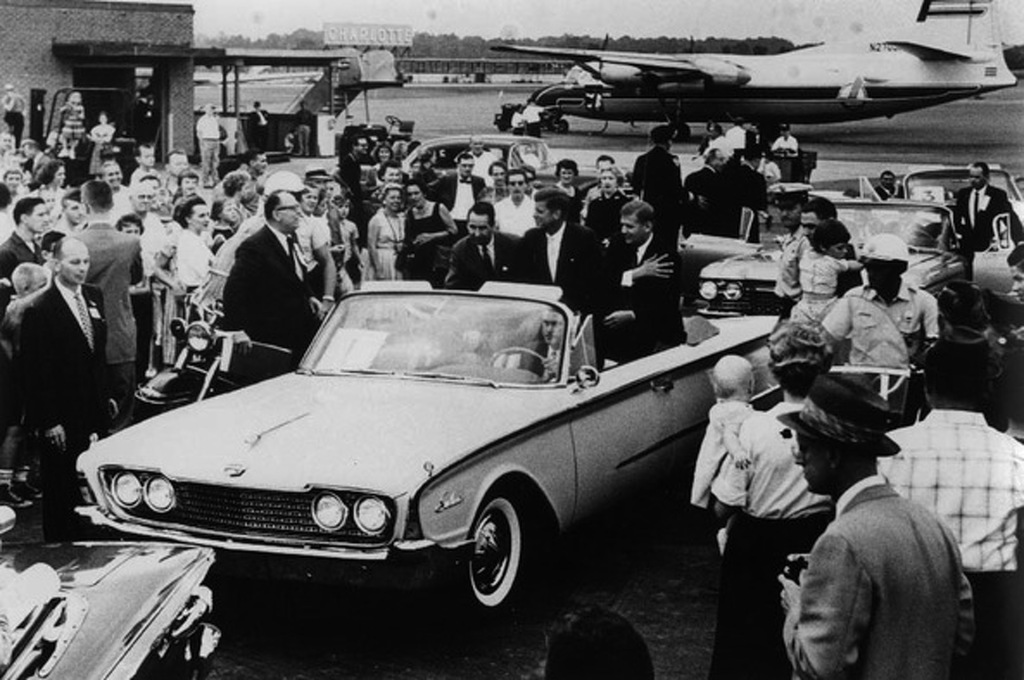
(243, 56)
(120, 50)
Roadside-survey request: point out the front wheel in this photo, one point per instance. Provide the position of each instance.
(495, 569)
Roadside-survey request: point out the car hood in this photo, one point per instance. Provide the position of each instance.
(375, 433)
(925, 269)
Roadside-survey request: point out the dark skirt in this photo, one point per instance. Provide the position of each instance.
(748, 635)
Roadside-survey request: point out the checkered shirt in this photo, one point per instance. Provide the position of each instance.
(971, 475)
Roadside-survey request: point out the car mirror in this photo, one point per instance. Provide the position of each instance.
(7, 519)
(586, 377)
(583, 351)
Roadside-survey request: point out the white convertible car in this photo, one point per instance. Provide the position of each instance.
(427, 434)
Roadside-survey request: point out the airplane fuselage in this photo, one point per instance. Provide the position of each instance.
(815, 85)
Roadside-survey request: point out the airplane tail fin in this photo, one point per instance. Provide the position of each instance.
(960, 26)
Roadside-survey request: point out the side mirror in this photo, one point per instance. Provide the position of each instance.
(7, 518)
(586, 377)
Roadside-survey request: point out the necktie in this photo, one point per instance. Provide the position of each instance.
(293, 254)
(488, 263)
(83, 318)
(466, 181)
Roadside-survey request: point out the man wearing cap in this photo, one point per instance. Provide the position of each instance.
(888, 322)
(14, 112)
(657, 180)
(883, 594)
(790, 200)
(972, 476)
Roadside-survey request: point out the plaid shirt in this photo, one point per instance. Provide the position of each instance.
(971, 475)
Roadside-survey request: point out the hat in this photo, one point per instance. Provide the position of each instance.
(317, 172)
(789, 192)
(886, 248)
(843, 411)
(961, 352)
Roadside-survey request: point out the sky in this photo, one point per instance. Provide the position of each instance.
(802, 21)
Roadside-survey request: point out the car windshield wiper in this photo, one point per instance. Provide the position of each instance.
(352, 371)
(450, 376)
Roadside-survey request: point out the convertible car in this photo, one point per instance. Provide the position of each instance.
(427, 435)
(106, 610)
(745, 284)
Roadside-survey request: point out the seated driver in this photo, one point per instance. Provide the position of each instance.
(543, 355)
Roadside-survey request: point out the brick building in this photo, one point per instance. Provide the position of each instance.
(133, 60)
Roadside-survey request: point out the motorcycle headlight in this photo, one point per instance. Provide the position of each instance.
(708, 290)
(329, 512)
(159, 494)
(733, 291)
(371, 515)
(199, 337)
(127, 489)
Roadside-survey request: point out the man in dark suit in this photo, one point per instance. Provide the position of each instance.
(458, 191)
(31, 219)
(707, 191)
(350, 172)
(887, 187)
(976, 208)
(484, 255)
(563, 254)
(266, 294)
(115, 265)
(644, 290)
(745, 188)
(656, 179)
(63, 336)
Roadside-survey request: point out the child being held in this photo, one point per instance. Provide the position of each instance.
(820, 267)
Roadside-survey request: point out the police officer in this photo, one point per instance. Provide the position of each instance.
(888, 322)
(789, 199)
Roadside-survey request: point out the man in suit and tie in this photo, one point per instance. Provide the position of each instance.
(458, 191)
(977, 206)
(644, 290)
(115, 266)
(31, 219)
(484, 255)
(350, 173)
(266, 294)
(560, 253)
(884, 594)
(63, 336)
(657, 180)
(707, 193)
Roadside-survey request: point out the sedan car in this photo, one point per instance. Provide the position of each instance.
(106, 610)
(515, 150)
(427, 435)
(745, 284)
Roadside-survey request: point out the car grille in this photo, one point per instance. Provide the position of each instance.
(756, 302)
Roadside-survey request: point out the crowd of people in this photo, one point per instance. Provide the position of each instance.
(91, 277)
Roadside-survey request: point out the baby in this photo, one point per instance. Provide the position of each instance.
(733, 381)
(820, 268)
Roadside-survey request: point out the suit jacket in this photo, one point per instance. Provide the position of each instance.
(655, 302)
(467, 270)
(115, 263)
(64, 378)
(656, 179)
(350, 171)
(713, 219)
(747, 189)
(265, 298)
(884, 595)
(446, 189)
(13, 252)
(579, 270)
(978, 238)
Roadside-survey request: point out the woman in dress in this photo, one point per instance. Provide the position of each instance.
(385, 236)
(193, 257)
(101, 135)
(381, 154)
(71, 125)
(429, 235)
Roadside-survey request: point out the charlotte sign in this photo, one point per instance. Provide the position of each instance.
(374, 35)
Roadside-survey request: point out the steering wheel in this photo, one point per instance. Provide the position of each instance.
(515, 350)
(393, 121)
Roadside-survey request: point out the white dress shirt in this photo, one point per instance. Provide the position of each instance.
(71, 298)
(514, 219)
(464, 199)
(554, 247)
(627, 276)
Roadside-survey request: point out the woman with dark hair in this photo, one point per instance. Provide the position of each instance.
(193, 257)
(775, 515)
(386, 236)
(429, 235)
(49, 181)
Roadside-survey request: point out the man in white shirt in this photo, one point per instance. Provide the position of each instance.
(514, 214)
(145, 158)
(208, 133)
(785, 144)
(113, 176)
(482, 160)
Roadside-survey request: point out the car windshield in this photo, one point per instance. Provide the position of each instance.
(439, 336)
(941, 186)
(534, 154)
(922, 228)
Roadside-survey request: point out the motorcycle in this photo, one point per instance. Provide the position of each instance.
(211, 362)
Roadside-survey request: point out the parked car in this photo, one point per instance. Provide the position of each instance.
(745, 284)
(107, 610)
(427, 435)
(941, 185)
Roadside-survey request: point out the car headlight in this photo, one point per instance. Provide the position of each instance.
(708, 290)
(733, 291)
(371, 515)
(159, 494)
(329, 512)
(127, 489)
(199, 337)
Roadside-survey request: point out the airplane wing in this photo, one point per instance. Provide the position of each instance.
(930, 52)
(674, 67)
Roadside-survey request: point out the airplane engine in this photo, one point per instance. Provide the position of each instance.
(620, 74)
(722, 72)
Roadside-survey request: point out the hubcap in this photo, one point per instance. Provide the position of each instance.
(491, 552)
